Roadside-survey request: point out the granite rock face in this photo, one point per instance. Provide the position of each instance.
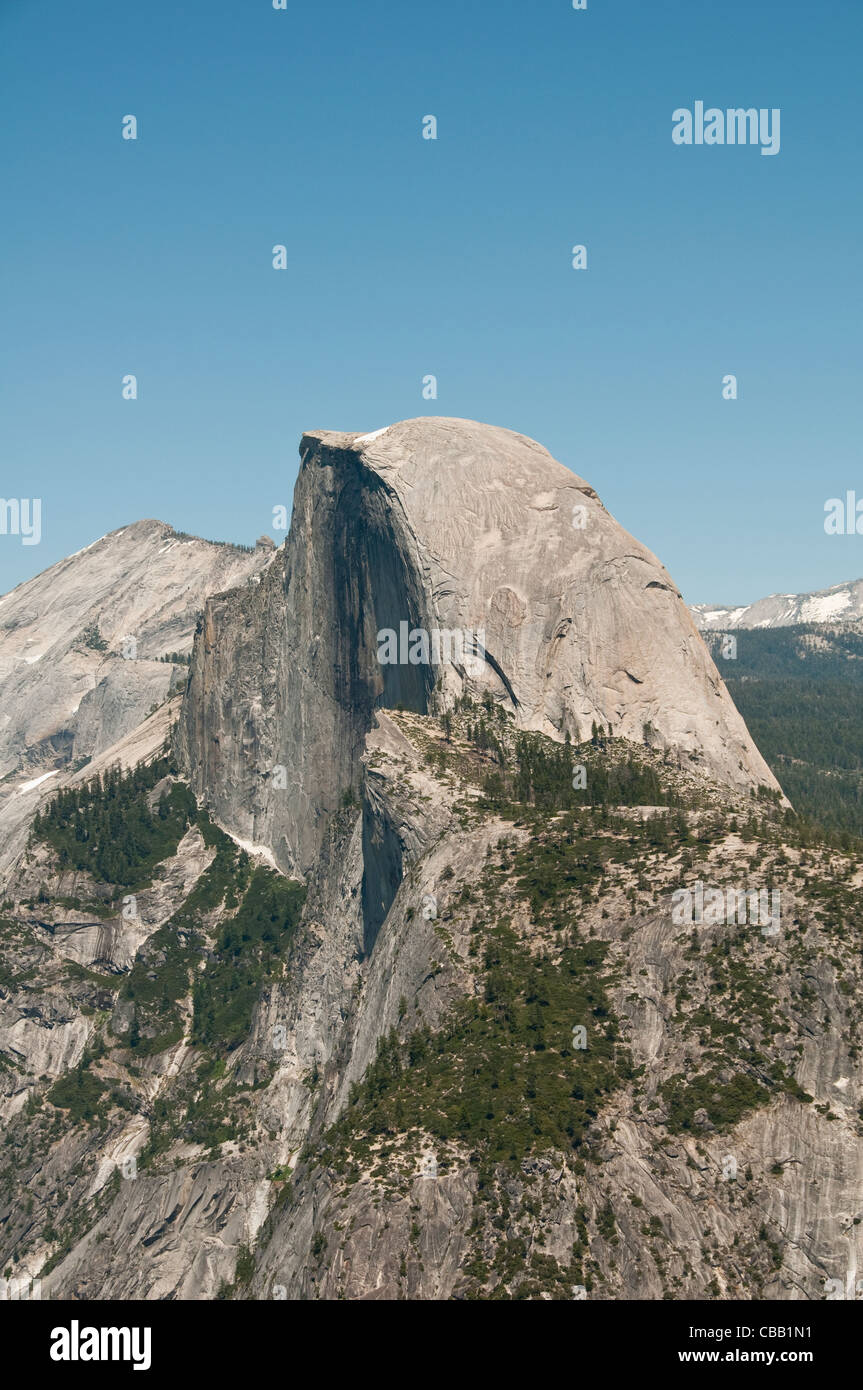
(768, 1207)
(82, 650)
(80, 645)
(335, 1146)
(469, 534)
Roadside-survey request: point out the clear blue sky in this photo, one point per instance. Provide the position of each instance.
(451, 257)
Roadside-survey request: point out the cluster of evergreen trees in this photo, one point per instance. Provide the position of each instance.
(807, 651)
(539, 773)
(91, 637)
(250, 948)
(800, 690)
(106, 827)
(500, 1075)
(543, 774)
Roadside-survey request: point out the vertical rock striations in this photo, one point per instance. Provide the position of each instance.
(459, 529)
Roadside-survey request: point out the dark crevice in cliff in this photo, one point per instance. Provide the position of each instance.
(495, 666)
(382, 872)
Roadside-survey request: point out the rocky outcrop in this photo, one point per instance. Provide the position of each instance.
(85, 652)
(81, 644)
(663, 1199)
(466, 533)
(382, 1095)
(769, 1206)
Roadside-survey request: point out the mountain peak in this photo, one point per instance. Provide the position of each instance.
(83, 644)
(440, 531)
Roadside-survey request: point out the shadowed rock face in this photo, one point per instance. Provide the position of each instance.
(449, 526)
(285, 676)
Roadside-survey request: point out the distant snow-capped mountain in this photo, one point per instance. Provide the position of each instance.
(841, 603)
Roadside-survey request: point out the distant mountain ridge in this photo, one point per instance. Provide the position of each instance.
(90, 647)
(840, 603)
(62, 637)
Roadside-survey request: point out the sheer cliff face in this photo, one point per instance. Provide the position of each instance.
(285, 675)
(451, 527)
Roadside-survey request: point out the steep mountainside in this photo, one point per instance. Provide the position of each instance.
(536, 1080)
(443, 526)
(91, 646)
(66, 690)
(507, 976)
